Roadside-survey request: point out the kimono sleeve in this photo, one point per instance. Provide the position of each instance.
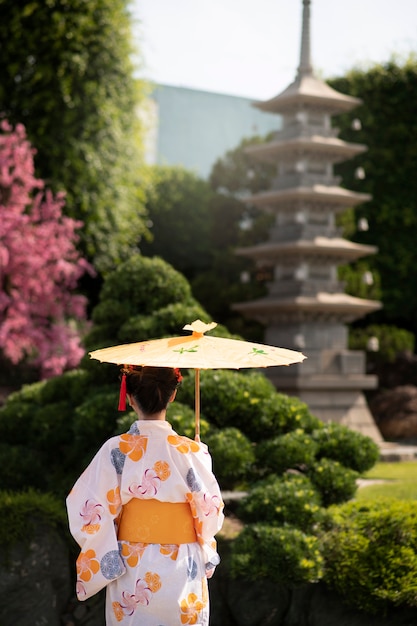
(93, 506)
(207, 506)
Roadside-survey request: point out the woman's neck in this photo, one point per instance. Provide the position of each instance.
(154, 416)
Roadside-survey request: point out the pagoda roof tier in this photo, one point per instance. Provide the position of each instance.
(334, 248)
(309, 90)
(333, 148)
(315, 193)
(319, 307)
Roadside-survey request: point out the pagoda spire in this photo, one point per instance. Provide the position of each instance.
(305, 68)
(305, 305)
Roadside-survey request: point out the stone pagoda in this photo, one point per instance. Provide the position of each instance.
(306, 307)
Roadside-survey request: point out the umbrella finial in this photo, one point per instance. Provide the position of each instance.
(200, 327)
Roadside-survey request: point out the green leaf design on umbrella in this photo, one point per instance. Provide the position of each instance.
(182, 350)
(256, 351)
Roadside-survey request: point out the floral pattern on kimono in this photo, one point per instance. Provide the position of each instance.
(147, 584)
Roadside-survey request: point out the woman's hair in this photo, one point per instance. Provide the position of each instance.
(152, 387)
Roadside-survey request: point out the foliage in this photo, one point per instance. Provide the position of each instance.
(279, 414)
(359, 281)
(335, 482)
(371, 554)
(230, 398)
(141, 297)
(70, 416)
(40, 266)
(338, 442)
(289, 500)
(196, 229)
(283, 555)
(166, 321)
(237, 173)
(390, 179)
(233, 456)
(391, 341)
(18, 512)
(178, 205)
(293, 450)
(67, 75)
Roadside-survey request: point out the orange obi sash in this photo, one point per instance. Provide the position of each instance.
(152, 521)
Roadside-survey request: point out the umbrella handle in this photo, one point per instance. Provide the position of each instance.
(197, 405)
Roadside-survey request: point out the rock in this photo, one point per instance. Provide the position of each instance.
(263, 603)
(395, 412)
(35, 580)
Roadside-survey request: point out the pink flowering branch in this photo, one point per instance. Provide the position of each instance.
(39, 264)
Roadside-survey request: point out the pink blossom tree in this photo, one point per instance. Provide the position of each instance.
(40, 315)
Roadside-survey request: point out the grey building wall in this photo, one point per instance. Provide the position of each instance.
(194, 128)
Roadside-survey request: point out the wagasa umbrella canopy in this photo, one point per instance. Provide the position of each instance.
(198, 351)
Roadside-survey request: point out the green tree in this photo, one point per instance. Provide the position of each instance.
(196, 229)
(388, 126)
(233, 278)
(178, 204)
(67, 74)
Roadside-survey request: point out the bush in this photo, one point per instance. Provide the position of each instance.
(335, 482)
(371, 554)
(232, 454)
(230, 398)
(165, 322)
(278, 414)
(290, 500)
(21, 468)
(182, 420)
(141, 285)
(18, 510)
(350, 448)
(293, 450)
(284, 556)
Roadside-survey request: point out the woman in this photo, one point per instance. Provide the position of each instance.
(145, 512)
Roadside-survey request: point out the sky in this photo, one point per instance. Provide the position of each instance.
(251, 48)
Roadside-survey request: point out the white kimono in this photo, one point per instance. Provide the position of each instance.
(148, 584)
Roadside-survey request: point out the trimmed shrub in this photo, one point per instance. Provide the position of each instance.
(284, 556)
(229, 398)
(335, 482)
(371, 554)
(278, 414)
(165, 322)
(293, 450)
(140, 284)
(291, 500)
(182, 420)
(350, 448)
(232, 455)
(18, 511)
(21, 468)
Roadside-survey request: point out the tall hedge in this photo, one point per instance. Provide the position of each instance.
(67, 74)
(388, 126)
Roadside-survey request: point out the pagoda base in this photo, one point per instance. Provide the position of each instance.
(333, 399)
